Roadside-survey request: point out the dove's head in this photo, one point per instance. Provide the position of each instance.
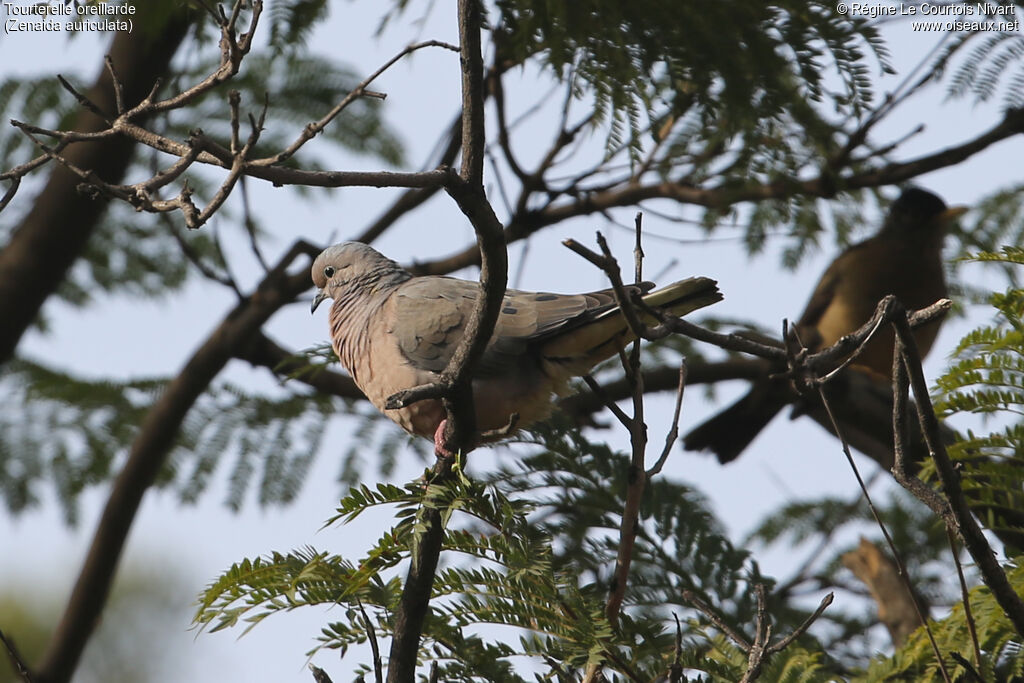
(353, 269)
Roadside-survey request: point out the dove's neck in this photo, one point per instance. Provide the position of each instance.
(353, 310)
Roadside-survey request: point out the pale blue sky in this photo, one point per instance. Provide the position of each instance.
(121, 338)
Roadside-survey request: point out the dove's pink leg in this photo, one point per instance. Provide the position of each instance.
(439, 449)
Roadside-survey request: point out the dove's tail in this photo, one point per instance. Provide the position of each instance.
(574, 351)
(683, 297)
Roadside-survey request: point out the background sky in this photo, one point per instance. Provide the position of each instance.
(124, 338)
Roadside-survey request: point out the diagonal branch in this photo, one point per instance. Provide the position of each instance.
(148, 453)
(962, 522)
(577, 202)
(41, 248)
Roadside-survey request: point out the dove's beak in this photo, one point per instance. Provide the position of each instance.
(321, 294)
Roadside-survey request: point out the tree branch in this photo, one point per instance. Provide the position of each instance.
(42, 248)
(963, 522)
(261, 351)
(468, 192)
(148, 453)
(584, 202)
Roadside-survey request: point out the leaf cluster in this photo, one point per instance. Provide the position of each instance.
(986, 379)
(996, 61)
(526, 551)
(73, 433)
(733, 73)
(1002, 657)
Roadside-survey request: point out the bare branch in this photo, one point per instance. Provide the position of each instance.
(118, 85)
(233, 49)
(313, 129)
(17, 663)
(196, 260)
(371, 635)
(84, 101)
(965, 598)
(622, 194)
(673, 433)
(607, 263)
(802, 628)
(599, 391)
(148, 454)
(261, 351)
(966, 526)
(40, 248)
(716, 620)
(759, 651)
(460, 424)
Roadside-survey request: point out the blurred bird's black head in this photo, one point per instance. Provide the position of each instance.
(918, 209)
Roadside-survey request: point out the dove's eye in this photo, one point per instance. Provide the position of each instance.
(329, 272)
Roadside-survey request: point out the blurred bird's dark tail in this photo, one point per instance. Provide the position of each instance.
(728, 433)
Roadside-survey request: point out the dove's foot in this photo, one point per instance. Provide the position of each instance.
(439, 449)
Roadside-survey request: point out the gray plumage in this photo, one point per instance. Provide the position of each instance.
(393, 331)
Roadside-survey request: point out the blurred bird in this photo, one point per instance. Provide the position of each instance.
(393, 331)
(903, 259)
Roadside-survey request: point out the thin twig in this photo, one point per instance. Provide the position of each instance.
(972, 672)
(118, 85)
(716, 620)
(761, 649)
(371, 635)
(965, 525)
(965, 597)
(757, 653)
(904, 575)
(83, 100)
(802, 628)
(196, 260)
(234, 100)
(14, 656)
(250, 225)
(673, 434)
(311, 130)
(599, 391)
(607, 263)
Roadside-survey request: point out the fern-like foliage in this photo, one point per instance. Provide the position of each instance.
(986, 378)
(526, 555)
(995, 220)
(580, 486)
(291, 22)
(1002, 655)
(995, 61)
(72, 432)
(55, 428)
(734, 71)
